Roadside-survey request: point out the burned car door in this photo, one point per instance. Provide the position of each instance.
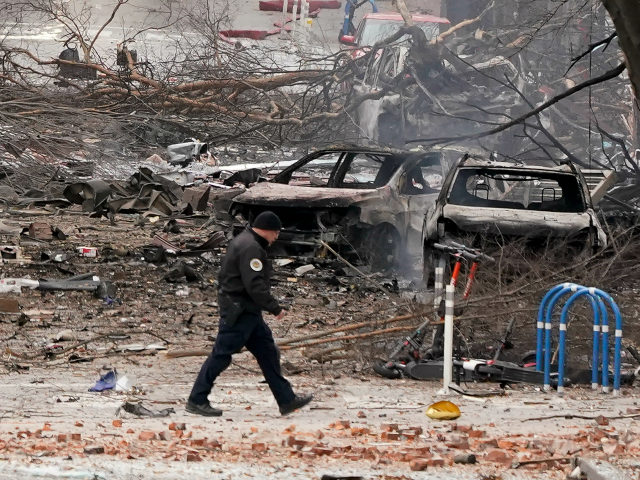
(418, 187)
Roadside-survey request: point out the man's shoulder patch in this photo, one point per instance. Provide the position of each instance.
(255, 264)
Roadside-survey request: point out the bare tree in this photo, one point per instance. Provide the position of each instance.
(479, 81)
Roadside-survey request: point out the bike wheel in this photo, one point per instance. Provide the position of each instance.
(381, 368)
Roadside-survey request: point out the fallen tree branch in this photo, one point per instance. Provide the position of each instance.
(351, 327)
(540, 460)
(569, 416)
(349, 337)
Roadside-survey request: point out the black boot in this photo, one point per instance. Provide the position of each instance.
(298, 401)
(205, 409)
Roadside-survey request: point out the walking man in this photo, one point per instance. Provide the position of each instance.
(244, 291)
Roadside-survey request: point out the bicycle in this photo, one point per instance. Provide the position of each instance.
(409, 349)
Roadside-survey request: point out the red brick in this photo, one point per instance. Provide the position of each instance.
(214, 444)
(296, 442)
(177, 426)
(147, 435)
(62, 437)
(489, 443)
(259, 447)
(498, 456)
(76, 437)
(117, 423)
(458, 441)
(418, 464)
(193, 457)
(436, 462)
(320, 451)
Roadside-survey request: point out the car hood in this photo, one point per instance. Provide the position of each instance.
(281, 195)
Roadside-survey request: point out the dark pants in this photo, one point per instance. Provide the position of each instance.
(250, 331)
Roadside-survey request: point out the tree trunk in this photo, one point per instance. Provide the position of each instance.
(626, 18)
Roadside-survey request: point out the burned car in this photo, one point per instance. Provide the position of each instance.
(368, 204)
(506, 201)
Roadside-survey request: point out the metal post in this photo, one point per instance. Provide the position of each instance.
(294, 12)
(285, 7)
(447, 368)
(617, 352)
(595, 355)
(304, 10)
(438, 286)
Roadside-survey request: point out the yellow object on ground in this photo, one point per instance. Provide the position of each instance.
(444, 410)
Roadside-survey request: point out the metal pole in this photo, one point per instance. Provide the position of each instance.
(304, 8)
(285, 6)
(438, 285)
(617, 353)
(447, 368)
(595, 355)
(293, 19)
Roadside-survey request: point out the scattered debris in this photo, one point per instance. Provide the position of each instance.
(141, 411)
(106, 382)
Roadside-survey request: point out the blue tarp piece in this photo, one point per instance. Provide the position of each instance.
(106, 382)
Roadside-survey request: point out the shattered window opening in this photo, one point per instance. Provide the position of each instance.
(504, 189)
(317, 172)
(361, 171)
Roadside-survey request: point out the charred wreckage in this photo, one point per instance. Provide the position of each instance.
(374, 206)
(387, 207)
(365, 203)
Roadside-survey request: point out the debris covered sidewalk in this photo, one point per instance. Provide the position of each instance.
(360, 426)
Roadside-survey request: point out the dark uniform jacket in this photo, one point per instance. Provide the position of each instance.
(246, 272)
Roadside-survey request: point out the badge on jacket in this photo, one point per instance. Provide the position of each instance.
(255, 264)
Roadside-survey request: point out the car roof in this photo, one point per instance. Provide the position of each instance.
(398, 17)
(479, 163)
(368, 149)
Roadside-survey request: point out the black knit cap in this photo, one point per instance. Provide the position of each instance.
(267, 221)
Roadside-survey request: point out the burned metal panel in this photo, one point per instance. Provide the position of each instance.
(92, 195)
(516, 222)
(275, 194)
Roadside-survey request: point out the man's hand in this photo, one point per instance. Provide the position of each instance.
(281, 315)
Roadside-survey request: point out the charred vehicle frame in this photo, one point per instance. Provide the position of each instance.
(506, 201)
(366, 203)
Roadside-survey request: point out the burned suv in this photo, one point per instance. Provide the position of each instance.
(507, 201)
(366, 203)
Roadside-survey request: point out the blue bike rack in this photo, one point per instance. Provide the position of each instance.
(598, 300)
